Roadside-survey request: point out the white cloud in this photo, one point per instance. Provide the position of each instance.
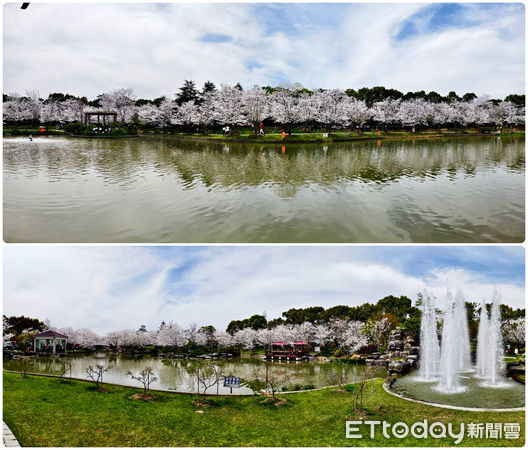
(106, 288)
(87, 49)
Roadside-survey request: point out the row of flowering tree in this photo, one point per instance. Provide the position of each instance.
(347, 335)
(336, 333)
(285, 106)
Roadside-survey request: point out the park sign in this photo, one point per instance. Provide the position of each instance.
(232, 382)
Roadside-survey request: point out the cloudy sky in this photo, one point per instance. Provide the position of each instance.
(106, 288)
(87, 49)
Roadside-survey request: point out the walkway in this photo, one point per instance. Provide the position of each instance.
(8, 438)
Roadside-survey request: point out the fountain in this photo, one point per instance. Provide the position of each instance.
(483, 341)
(429, 347)
(490, 351)
(450, 351)
(461, 326)
(445, 371)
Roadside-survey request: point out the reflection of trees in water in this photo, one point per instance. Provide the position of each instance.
(124, 161)
(180, 374)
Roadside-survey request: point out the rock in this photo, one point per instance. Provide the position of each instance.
(399, 367)
(407, 346)
(396, 344)
(382, 362)
(412, 358)
(396, 335)
(516, 370)
(414, 351)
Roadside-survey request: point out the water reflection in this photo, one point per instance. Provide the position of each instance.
(168, 190)
(179, 375)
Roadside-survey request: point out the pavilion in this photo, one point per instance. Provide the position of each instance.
(48, 341)
(104, 114)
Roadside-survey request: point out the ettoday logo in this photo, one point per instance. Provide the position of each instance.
(435, 430)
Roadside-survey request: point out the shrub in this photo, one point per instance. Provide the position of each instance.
(338, 352)
(74, 128)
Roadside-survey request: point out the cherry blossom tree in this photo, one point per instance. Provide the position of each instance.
(16, 109)
(224, 339)
(34, 104)
(120, 100)
(228, 105)
(357, 112)
(172, 335)
(308, 106)
(73, 110)
(304, 332)
(386, 112)
(285, 107)
(332, 108)
(514, 332)
(246, 338)
(148, 114)
(353, 338)
(255, 106)
(187, 115)
(322, 335)
(378, 331)
(206, 111)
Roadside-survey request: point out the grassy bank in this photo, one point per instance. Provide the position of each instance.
(45, 412)
(297, 136)
(340, 136)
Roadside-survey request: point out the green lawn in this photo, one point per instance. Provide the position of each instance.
(45, 412)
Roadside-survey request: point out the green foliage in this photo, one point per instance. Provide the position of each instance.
(18, 324)
(187, 93)
(256, 322)
(517, 99)
(74, 128)
(338, 352)
(411, 326)
(507, 312)
(296, 316)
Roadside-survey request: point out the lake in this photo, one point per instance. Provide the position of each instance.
(170, 190)
(177, 374)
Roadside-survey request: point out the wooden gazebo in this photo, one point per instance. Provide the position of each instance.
(104, 114)
(47, 341)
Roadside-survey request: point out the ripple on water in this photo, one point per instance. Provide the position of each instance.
(469, 190)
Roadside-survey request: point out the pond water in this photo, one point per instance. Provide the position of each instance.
(169, 190)
(179, 375)
(509, 393)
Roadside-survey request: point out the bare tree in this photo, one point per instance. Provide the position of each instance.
(96, 373)
(363, 388)
(206, 376)
(146, 377)
(275, 381)
(66, 367)
(337, 374)
(24, 364)
(218, 374)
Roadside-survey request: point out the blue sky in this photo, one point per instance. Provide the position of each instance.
(83, 49)
(115, 287)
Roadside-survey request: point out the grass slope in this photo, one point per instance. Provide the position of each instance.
(45, 412)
